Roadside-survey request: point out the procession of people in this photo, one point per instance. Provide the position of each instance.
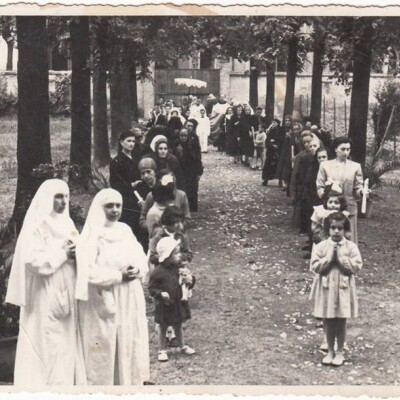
(83, 297)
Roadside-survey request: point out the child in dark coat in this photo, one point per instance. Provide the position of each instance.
(172, 226)
(165, 287)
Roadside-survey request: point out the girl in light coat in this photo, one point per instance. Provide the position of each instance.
(113, 333)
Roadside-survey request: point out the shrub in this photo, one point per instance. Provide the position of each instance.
(8, 101)
(60, 99)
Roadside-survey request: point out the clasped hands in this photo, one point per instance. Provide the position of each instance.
(69, 247)
(130, 273)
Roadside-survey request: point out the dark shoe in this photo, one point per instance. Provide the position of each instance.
(307, 256)
(265, 183)
(306, 248)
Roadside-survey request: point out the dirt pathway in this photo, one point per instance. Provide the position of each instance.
(252, 321)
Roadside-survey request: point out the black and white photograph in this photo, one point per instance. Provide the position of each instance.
(199, 195)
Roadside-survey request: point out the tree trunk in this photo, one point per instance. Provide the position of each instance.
(80, 101)
(316, 80)
(120, 98)
(362, 56)
(33, 142)
(270, 97)
(9, 39)
(253, 92)
(101, 156)
(134, 99)
(10, 52)
(290, 76)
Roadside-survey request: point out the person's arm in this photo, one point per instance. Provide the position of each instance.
(145, 209)
(186, 211)
(321, 179)
(321, 258)
(43, 260)
(155, 285)
(153, 255)
(117, 180)
(358, 182)
(351, 262)
(187, 254)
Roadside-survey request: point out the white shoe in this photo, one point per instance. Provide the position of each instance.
(162, 356)
(187, 350)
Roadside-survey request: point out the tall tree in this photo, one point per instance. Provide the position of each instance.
(270, 93)
(291, 72)
(253, 92)
(319, 40)
(362, 60)
(81, 130)
(33, 142)
(101, 147)
(120, 95)
(362, 43)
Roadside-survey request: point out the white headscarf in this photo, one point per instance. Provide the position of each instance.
(157, 138)
(86, 249)
(40, 209)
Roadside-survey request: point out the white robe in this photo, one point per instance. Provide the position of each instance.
(113, 330)
(203, 131)
(47, 331)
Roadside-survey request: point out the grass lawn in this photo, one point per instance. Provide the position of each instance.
(252, 321)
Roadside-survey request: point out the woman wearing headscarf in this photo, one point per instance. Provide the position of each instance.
(164, 159)
(113, 333)
(192, 167)
(42, 284)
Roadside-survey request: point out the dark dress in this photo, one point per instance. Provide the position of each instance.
(231, 136)
(192, 168)
(291, 145)
(246, 140)
(309, 193)
(124, 171)
(166, 279)
(273, 146)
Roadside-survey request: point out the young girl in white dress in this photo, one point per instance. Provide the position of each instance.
(113, 333)
(335, 261)
(332, 202)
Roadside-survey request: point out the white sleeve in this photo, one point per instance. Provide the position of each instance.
(43, 260)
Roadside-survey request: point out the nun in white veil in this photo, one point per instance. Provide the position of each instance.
(42, 284)
(113, 332)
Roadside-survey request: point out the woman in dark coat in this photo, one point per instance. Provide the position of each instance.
(190, 159)
(125, 177)
(246, 129)
(309, 194)
(235, 129)
(231, 143)
(164, 159)
(273, 144)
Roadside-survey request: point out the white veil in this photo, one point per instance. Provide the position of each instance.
(86, 248)
(39, 210)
